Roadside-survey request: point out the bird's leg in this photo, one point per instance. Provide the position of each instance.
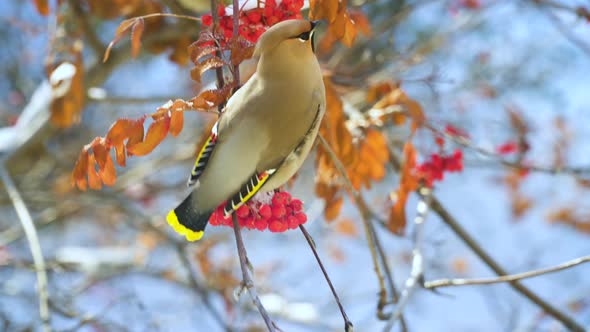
(247, 282)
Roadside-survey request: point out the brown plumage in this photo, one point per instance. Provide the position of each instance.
(268, 125)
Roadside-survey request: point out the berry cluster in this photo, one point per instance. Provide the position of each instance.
(280, 213)
(254, 22)
(433, 170)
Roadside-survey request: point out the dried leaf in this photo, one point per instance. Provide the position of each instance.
(68, 92)
(42, 7)
(136, 33)
(80, 169)
(323, 9)
(408, 183)
(211, 98)
(240, 50)
(155, 135)
(333, 207)
(93, 177)
(203, 66)
(108, 174)
(350, 32)
(119, 33)
(176, 123)
(100, 152)
(347, 227)
(360, 21)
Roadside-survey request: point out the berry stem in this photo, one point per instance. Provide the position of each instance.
(347, 322)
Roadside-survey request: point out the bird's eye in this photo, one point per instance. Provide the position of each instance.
(304, 36)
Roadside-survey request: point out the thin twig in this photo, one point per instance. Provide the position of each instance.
(370, 233)
(467, 143)
(416, 277)
(247, 281)
(454, 225)
(236, 19)
(194, 283)
(565, 319)
(508, 278)
(33, 240)
(347, 322)
(218, 70)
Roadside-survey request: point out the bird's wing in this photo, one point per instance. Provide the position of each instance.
(203, 157)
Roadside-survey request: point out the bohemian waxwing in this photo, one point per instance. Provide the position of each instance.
(265, 132)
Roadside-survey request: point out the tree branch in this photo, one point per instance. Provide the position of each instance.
(507, 278)
(347, 322)
(33, 240)
(247, 281)
(448, 219)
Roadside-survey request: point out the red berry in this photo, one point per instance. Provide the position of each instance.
(221, 11)
(278, 211)
(276, 226)
(296, 205)
(265, 211)
(301, 217)
(243, 211)
(207, 20)
(254, 16)
(293, 222)
(260, 224)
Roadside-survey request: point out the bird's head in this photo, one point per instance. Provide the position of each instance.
(292, 36)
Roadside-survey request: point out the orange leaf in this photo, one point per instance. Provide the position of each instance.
(136, 33)
(156, 133)
(80, 171)
(323, 9)
(361, 21)
(121, 130)
(93, 177)
(408, 183)
(121, 31)
(333, 207)
(176, 123)
(349, 32)
(100, 152)
(346, 227)
(108, 174)
(211, 98)
(42, 7)
(203, 66)
(67, 82)
(240, 49)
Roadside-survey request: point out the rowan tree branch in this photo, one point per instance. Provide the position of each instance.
(31, 234)
(247, 281)
(377, 253)
(454, 225)
(417, 272)
(347, 322)
(507, 278)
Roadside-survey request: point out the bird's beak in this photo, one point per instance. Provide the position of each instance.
(314, 24)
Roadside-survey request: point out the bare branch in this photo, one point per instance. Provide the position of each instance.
(448, 219)
(507, 278)
(347, 322)
(247, 281)
(417, 272)
(31, 233)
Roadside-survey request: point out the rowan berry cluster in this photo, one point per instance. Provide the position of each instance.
(434, 169)
(281, 213)
(254, 22)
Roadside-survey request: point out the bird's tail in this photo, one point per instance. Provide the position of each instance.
(187, 221)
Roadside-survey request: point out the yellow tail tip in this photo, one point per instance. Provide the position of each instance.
(179, 228)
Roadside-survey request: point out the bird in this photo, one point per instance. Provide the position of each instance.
(265, 132)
